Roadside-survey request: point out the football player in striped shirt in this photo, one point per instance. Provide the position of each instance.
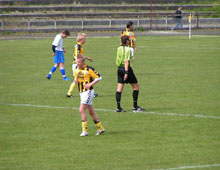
(129, 31)
(81, 39)
(86, 77)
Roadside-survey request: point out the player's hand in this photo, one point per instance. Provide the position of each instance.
(90, 59)
(64, 51)
(76, 81)
(136, 49)
(125, 76)
(87, 86)
(54, 54)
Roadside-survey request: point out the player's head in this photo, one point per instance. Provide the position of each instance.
(81, 38)
(180, 8)
(65, 33)
(80, 60)
(125, 40)
(130, 25)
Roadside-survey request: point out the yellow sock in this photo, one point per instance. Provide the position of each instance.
(72, 86)
(99, 126)
(85, 126)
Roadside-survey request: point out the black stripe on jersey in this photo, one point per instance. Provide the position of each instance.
(85, 84)
(91, 79)
(79, 86)
(82, 87)
(78, 48)
(91, 88)
(93, 70)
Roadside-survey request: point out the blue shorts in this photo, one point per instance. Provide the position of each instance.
(59, 57)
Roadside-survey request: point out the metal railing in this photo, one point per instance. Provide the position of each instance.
(159, 22)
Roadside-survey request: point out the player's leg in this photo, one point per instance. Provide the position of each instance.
(118, 97)
(121, 73)
(72, 86)
(96, 120)
(63, 72)
(136, 108)
(181, 24)
(82, 111)
(61, 61)
(53, 69)
(176, 26)
(134, 83)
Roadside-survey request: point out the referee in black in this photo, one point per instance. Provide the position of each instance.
(126, 74)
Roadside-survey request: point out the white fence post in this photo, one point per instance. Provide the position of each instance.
(82, 24)
(166, 23)
(2, 27)
(55, 24)
(110, 22)
(28, 19)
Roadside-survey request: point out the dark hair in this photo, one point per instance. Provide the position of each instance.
(66, 32)
(129, 24)
(124, 40)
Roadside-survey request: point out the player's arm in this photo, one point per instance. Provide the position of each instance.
(126, 69)
(75, 76)
(134, 45)
(96, 78)
(90, 59)
(54, 49)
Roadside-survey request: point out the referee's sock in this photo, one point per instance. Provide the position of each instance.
(118, 99)
(135, 98)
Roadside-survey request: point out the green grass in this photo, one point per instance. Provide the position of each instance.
(176, 75)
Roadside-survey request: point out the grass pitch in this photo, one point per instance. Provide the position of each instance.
(176, 75)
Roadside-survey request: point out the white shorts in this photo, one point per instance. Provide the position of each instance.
(87, 97)
(73, 68)
(132, 51)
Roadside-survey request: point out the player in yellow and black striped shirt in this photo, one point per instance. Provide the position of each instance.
(129, 31)
(81, 39)
(86, 77)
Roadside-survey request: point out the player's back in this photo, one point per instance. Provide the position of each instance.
(123, 54)
(58, 42)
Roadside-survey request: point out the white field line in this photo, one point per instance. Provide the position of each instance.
(191, 167)
(109, 110)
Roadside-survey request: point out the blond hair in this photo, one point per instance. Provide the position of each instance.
(81, 36)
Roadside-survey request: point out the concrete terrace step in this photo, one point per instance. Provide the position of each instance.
(46, 2)
(98, 7)
(100, 14)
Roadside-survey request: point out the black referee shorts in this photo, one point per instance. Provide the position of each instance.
(131, 76)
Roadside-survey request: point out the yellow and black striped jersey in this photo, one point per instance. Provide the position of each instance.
(131, 35)
(78, 50)
(85, 76)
